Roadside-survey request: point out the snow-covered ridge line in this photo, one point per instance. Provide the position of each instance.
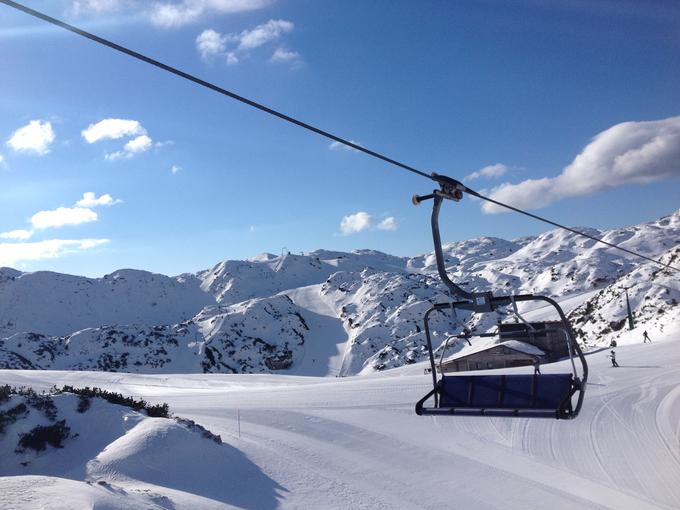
(239, 316)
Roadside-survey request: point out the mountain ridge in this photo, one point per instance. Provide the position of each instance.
(237, 316)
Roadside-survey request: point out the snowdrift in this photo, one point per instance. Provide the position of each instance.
(110, 456)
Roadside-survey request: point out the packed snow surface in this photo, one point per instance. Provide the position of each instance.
(355, 442)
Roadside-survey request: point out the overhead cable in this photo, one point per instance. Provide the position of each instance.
(206, 84)
(570, 229)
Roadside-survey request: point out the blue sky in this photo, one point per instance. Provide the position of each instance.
(570, 108)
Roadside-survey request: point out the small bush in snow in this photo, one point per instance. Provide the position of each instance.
(5, 392)
(42, 403)
(83, 403)
(11, 415)
(153, 410)
(192, 425)
(39, 437)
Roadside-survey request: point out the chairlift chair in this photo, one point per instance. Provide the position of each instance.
(534, 395)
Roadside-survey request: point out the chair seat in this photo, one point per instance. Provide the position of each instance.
(512, 392)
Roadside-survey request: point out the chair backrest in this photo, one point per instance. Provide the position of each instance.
(516, 391)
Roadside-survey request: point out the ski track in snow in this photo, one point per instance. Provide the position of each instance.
(356, 442)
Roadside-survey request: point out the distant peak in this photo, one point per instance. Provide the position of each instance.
(9, 272)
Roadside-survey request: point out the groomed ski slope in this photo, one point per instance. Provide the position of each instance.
(356, 443)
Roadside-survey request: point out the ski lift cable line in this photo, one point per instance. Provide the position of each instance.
(570, 229)
(206, 84)
(216, 88)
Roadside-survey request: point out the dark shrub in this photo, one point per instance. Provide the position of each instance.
(39, 437)
(11, 415)
(157, 410)
(192, 425)
(83, 403)
(5, 392)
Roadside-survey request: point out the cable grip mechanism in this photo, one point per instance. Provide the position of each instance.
(449, 189)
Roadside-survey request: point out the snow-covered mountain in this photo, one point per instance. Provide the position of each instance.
(233, 281)
(58, 304)
(653, 293)
(324, 312)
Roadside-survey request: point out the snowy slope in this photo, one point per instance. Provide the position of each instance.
(559, 263)
(58, 304)
(252, 336)
(355, 442)
(326, 340)
(375, 306)
(112, 348)
(106, 446)
(233, 281)
(654, 296)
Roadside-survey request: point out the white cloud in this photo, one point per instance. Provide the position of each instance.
(174, 169)
(16, 235)
(81, 213)
(36, 136)
(99, 6)
(627, 153)
(285, 56)
(337, 146)
(356, 223)
(90, 200)
(13, 253)
(135, 146)
(112, 129)
(167, 13)
(488, 172)
(140, 144)
(262, 34)
(177, 14)
(389, 223)
(210, 43)
(62, 216)
(235, 46)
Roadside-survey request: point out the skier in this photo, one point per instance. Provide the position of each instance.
(537, 367)
(613, 343)
(612, 356)
(646, 338)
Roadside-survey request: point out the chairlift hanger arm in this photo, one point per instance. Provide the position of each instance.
(451, 189)
(455, 289)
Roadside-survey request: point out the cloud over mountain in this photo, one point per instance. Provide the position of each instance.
(356, 222)
(627, 153)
